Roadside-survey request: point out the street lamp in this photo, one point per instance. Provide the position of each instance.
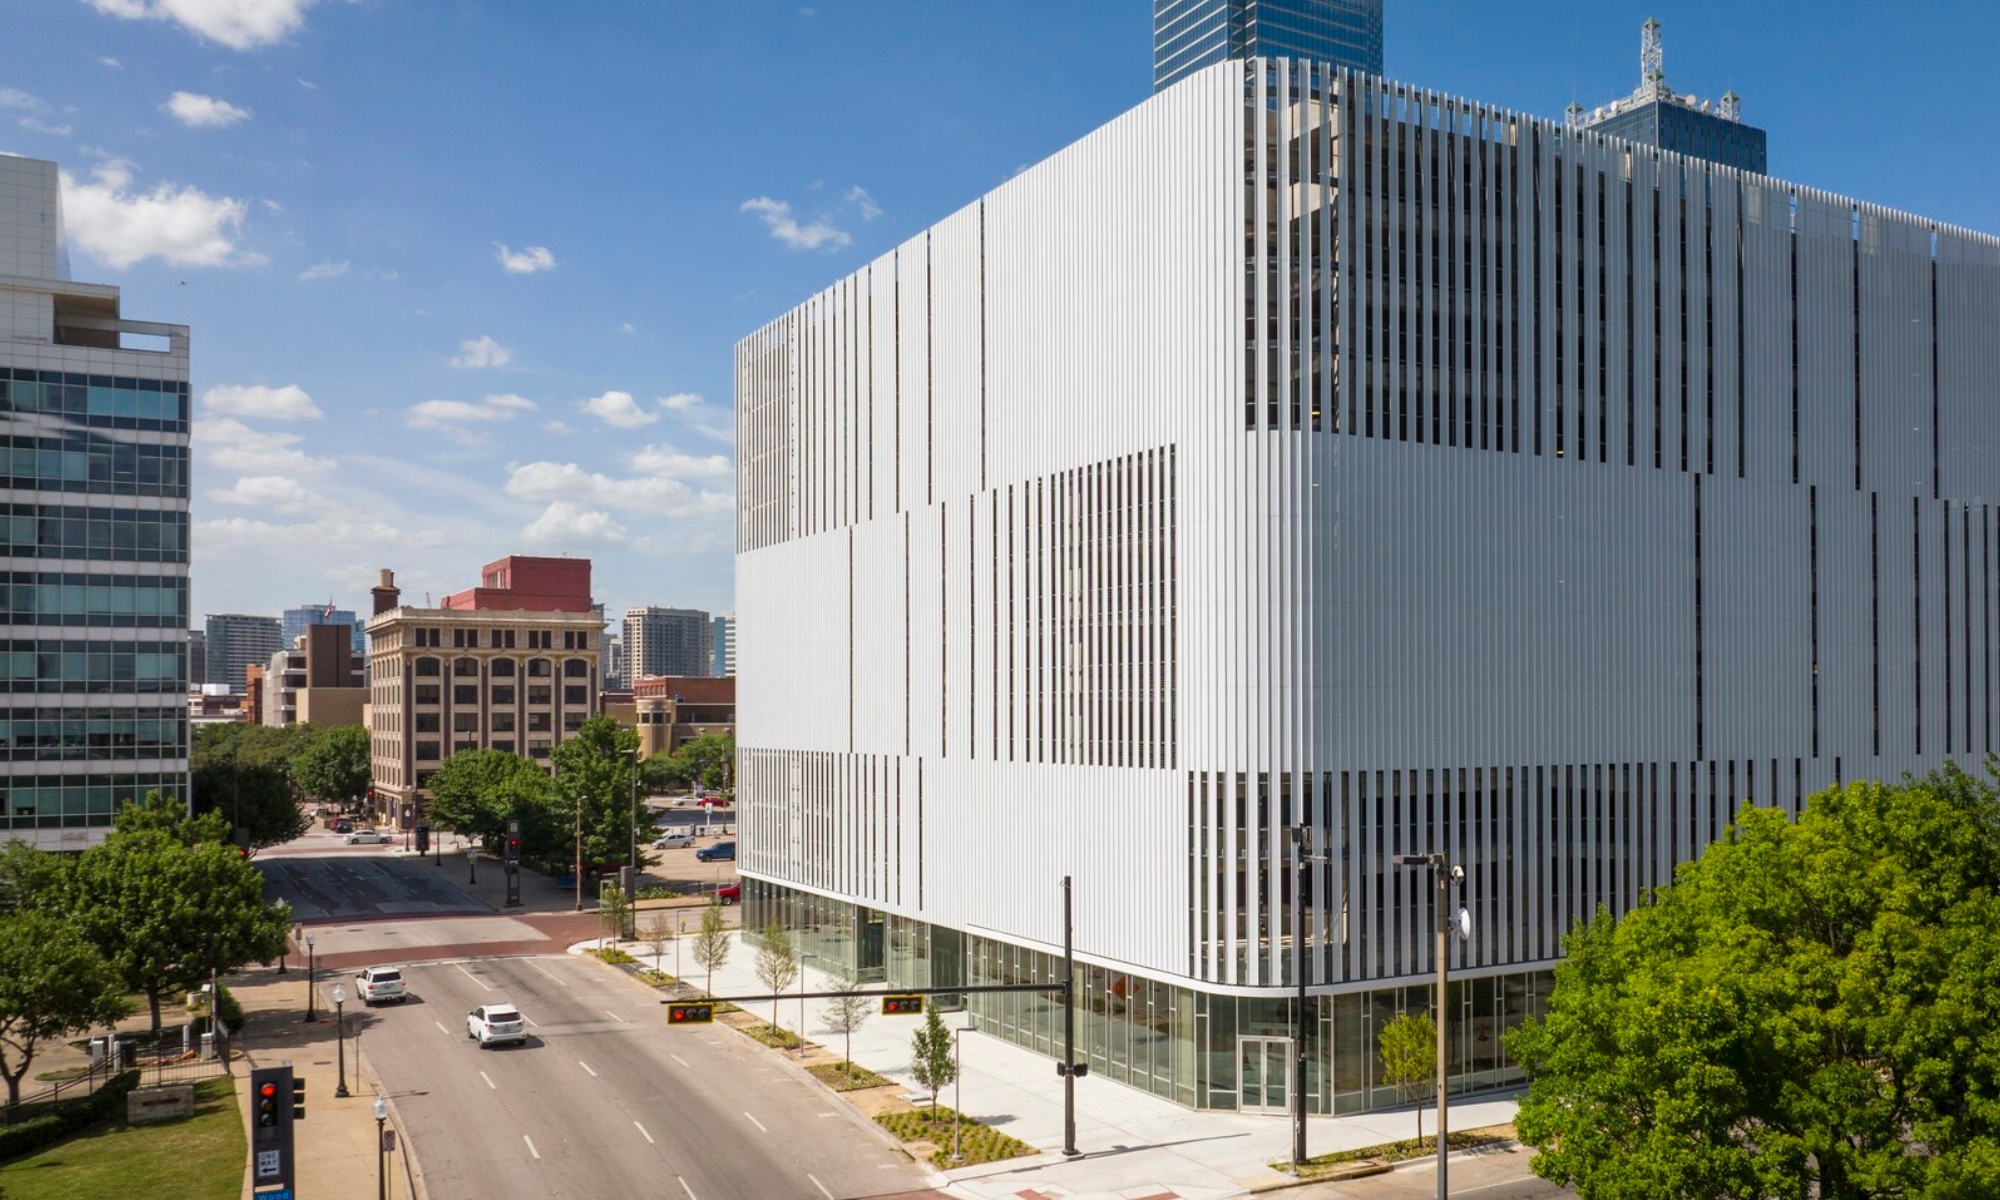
(1444, 875)
(1301, 836)
(340, 1038)
(309, 974)
(381, 1149)
(472, 864)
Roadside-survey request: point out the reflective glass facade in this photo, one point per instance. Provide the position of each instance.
(1191, 34)
(1689, 131)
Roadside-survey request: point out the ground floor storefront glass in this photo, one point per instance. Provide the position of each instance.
(1194, 1047)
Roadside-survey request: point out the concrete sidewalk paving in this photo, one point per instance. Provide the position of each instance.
(1133, 1143)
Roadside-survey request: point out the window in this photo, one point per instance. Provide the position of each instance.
(501, 668)
(465, 722)
(465, 668)
(538, 749)
(538, 695)
(461, 747)
(429, 723)
(461, 638)
(503, 722)
(504, 744)
(465, 693)
(575, 668)
(429, 668)
(575, 695)
(573, 721)
(538, 668)
(427, 693)
(427, 751)
(539, 723)
(576, 639)
(503, 695)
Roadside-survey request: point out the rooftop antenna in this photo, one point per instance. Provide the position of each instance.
(1732, 106)
(1652, 59)
(1573, 121)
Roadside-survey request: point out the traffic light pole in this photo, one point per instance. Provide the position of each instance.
(1069, 1063)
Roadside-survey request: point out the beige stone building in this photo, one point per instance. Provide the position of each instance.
(478, 673)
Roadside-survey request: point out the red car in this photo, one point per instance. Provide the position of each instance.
(714, 802)
(733, 894)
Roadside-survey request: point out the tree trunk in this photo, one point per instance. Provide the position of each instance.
(1420, 1126)
(153, 1002)
(14, 1080)
(847, 1051)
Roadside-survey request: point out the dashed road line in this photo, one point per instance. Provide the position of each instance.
(686, 1188)
(441, 1028)
(757, 1123)
(489, 1081)
(586, 1067)
(614, 1016)
(682, 1061)
(644, 1134)
(531, 1147)
(819, 1185)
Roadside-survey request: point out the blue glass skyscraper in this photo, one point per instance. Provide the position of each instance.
(1190, 34)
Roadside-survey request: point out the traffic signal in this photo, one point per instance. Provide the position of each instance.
(267, 1105)
(298, 1099)
(513, 848)
(902, 1006)
(690, 1014)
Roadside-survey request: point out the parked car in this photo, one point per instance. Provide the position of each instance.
(367, 837)
(733, 894)
(714, 802)
(378, 984)
(340, 825)
(676, 839)
(491, 1024)
(720, 852)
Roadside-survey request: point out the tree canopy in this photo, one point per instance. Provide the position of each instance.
(336, 767)
(53, 984)
(254, 796)
(594, 768)
(1812, 1008)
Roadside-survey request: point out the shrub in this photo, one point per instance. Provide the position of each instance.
(52, 1127)
(231, 1009)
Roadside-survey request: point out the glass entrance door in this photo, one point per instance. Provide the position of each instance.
(1263, 1074)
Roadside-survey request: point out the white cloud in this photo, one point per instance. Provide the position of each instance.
(279, 493)
(663, 461)
(777, 217)
(527, 261)
(231, 445)
(180, 225)
(16, 98)
(625, 328)
(325, 270)
(372, 536)
(237, 24)
(204, 112)
(564, 524)
(288, 403)
(109, 61)
(863, 202)
(453, 417)
(30, 105)
(618, 410)
(681, 402)
(654, 496)
(482, 351)
(35, 126)
(558, 426)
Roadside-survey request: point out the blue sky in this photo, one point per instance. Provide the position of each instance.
(465, 278)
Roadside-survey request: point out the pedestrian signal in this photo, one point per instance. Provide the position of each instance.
(902, 1006)
(690, 1014)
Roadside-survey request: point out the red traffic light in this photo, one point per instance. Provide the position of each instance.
(902, 1006)
(268, 1090)
(690, 1014)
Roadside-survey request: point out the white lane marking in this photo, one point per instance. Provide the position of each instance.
(682, 1061)
(550, 974)
(819, 1185)
(826, 1114)
(441, 1028)
(757, 1123)
(530, 1020)
(586, 1067)
(686, 1188)
(489, 1081)
(644, 1134)
(531, 1147)
(476, 979)
(614, 1016)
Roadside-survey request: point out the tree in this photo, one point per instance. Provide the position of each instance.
(160, 814)
(254, 796)
(1409, 1059)
(26, 874)
(595, 771)
(1812, 1008)
(711, 943)
(657, 933)
(708, 761)
(845, 1014)
(777, 966)
(52, 985)
(932, 1063)
(613, 907)
(164, 914)
(336, 768)
(475, 792)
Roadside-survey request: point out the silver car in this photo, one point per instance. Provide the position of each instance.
(492, 1024)
(367, 837)
(678, 839)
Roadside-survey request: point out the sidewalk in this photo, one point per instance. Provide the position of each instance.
(1133, 1143)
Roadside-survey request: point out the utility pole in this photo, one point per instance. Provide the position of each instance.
(1443, 874)
(1069, 1064)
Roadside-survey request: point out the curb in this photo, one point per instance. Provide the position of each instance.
(1358, 1170)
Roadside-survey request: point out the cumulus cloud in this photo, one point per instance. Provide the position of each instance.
(566, 524)
(288, 403)
(863, 202)
(652, 495)
(181, 225)
(30, 107)
(109, 61)
(333, 532)
(204, 112)
(15, 98)
(237, 24)
(626, 327)
(325, 270)
(482, 351)
(278, 493)
(681, 402)
(666, 462)
(526, 261)
(231, 445)
(618, 410)
(456, 418)
(558, 426)
(818, 234)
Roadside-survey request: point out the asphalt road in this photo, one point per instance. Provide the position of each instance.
(325, 879)
(1492, 1175)
(605, 1100)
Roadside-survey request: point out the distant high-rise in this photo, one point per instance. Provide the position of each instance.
(297, 619)
(235, 641)
(1191, 34)
(96, 412)
(1685, 124)
(668, 641)
(725, 645)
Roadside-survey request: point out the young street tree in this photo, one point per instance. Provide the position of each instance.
(1808, 1010)
(777, 966)
(711, 943)
(845, 1014)
(657, 934)
(52, 985)
(932, 1063)
(1409, 1059)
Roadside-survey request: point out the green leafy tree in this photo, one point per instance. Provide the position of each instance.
(336, 767)
(845, 1014)
(475, 792)
(164, 914)
(1409, 1059)
(253, 745)
(26, 874)
(1811, 1009)
(255, 796)
(777, 966)
(594, 769)
(614, 910)
(711, 942)
(52, 985)
(932, 1063)
(161, 814)
(708, 761)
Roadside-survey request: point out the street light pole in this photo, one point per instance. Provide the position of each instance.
(1443, 874)
(381, 1150)
(1069, 1031)
(340, 1038)
(309, 974)
(1302, 840)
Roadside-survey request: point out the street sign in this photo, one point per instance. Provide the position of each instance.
(269, 1163)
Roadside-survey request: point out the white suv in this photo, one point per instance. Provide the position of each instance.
(377, 984)
(493, 1023)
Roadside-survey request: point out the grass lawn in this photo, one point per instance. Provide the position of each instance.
(198, 1159)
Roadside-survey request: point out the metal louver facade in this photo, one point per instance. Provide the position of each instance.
(1302, 446)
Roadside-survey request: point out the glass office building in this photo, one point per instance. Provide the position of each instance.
(1191, 34)
(94, 519)
(295, 621)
